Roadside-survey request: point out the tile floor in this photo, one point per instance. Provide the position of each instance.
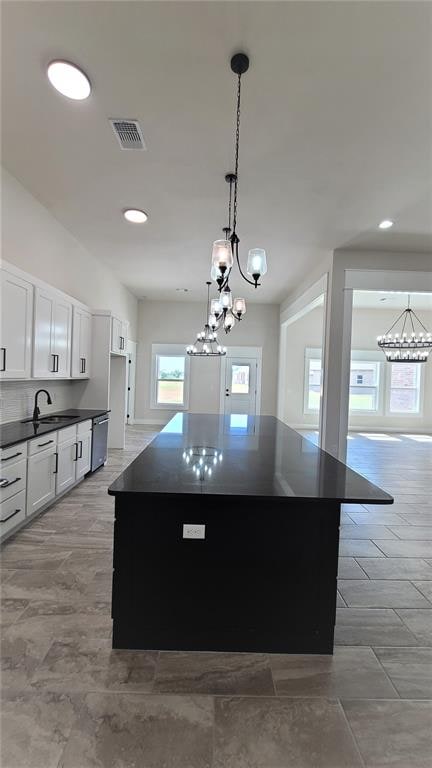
(69, 701)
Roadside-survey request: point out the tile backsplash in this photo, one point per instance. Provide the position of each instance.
(17, 397)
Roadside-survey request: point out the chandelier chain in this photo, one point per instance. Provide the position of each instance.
(237, 142)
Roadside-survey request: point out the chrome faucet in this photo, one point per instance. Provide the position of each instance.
(36, 411)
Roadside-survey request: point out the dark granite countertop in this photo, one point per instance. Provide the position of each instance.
(261, 456)
(14, 432)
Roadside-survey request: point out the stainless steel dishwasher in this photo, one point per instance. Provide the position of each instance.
(100, 441)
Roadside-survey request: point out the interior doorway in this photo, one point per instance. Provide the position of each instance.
(240, 382)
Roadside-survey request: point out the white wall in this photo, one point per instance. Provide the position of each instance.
(35, 241)
(178, 323)
(367, 324)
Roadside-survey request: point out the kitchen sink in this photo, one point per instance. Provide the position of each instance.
(55, 419)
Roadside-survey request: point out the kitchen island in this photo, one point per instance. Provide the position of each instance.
(226, 538)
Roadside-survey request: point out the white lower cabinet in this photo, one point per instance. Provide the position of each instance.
(12, 512)
(83, 464)
(41, 479)
(66, 466)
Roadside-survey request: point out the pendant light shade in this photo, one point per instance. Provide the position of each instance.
(216, 308)
(226, 298)
(229, 322)
(257, 262)
(222, 257)
(239, 307)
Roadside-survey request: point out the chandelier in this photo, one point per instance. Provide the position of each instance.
(206, 344)
(408, 345)
(226, 310)
(202, 460)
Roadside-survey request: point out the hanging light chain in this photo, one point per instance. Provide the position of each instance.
(236, 163)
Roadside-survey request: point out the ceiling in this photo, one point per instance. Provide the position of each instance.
(392, 301)
(336, 129)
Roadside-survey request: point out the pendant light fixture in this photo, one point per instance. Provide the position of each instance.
(225, 251)
(206, 344)
(409, 344)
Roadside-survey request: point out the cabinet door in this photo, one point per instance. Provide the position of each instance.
(41, 479)
(62, 338)
(43, 341)
(15, 327)
(66, 471)
(116, 330)
(81, 343)
(124, 336)
(83, 464)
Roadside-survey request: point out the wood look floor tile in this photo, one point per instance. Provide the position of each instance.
(354, 531)
(392, 734)
(348, 568)
(381, 594)
(425, 587)
(214, 673)
(420, 549)
(419, 622)
(371, 626)
(409, 669)
(131, 730)
(358, 548)
(283, 733)
(399, 568)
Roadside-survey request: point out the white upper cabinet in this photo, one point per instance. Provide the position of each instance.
(52, 335)
(15, 327)
(81, 343)
(119, 336)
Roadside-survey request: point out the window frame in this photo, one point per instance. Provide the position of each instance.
(311, 353)
(405, 414)
(169, 350)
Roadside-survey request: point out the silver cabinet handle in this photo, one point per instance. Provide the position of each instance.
(101, 422)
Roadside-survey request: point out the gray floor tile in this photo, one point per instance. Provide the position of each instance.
(11, 610)
(348, 568)
(418, 518)
(408, 532)
(358, 548)
(30, 556)
(425, 587)
(371, 626)
(381, 594)
(44, 585)
(282, 733)
(92, 665)
(131, 730)
(392, 734)
(355, 531)
(376, 518)
(351, 672)
(402, 568)
(214, 673)
(406, 548)
(419, 622)
(409, 669)
(36, 727)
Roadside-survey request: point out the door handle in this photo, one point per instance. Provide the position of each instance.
(54, 362)
(41, 445)
(5, 483)
(56, 463)
(14, 455)
(80, 449)
(3, 368)
(76, 452)
(101, 422)
(11, 515)
(57, 363)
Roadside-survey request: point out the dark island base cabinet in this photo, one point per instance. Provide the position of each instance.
(264, 578)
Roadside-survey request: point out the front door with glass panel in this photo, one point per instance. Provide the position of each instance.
(240, 385)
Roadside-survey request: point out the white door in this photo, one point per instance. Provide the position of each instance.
(43, 350)
(41, 479)
(66, 466)
(62, 338)
(15, 327)
(241, 385)
(83, 463)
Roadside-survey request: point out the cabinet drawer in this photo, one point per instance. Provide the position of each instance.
(42, 443)
(15, 453)
(84, 426)
(16, 477)
(12, 512)
(67, 434)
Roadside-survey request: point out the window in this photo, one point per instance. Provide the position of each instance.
(240, 379)
(405, 382)
(170, 374)
(364, 385)
(314, 385)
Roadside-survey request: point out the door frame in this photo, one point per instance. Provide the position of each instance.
(239, 352)
(131, 356)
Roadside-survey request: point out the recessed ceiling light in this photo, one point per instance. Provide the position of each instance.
(69, 80)
(386, 224)
(182, 290)
(135, 215)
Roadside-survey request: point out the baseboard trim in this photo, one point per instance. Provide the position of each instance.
(150, 422)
